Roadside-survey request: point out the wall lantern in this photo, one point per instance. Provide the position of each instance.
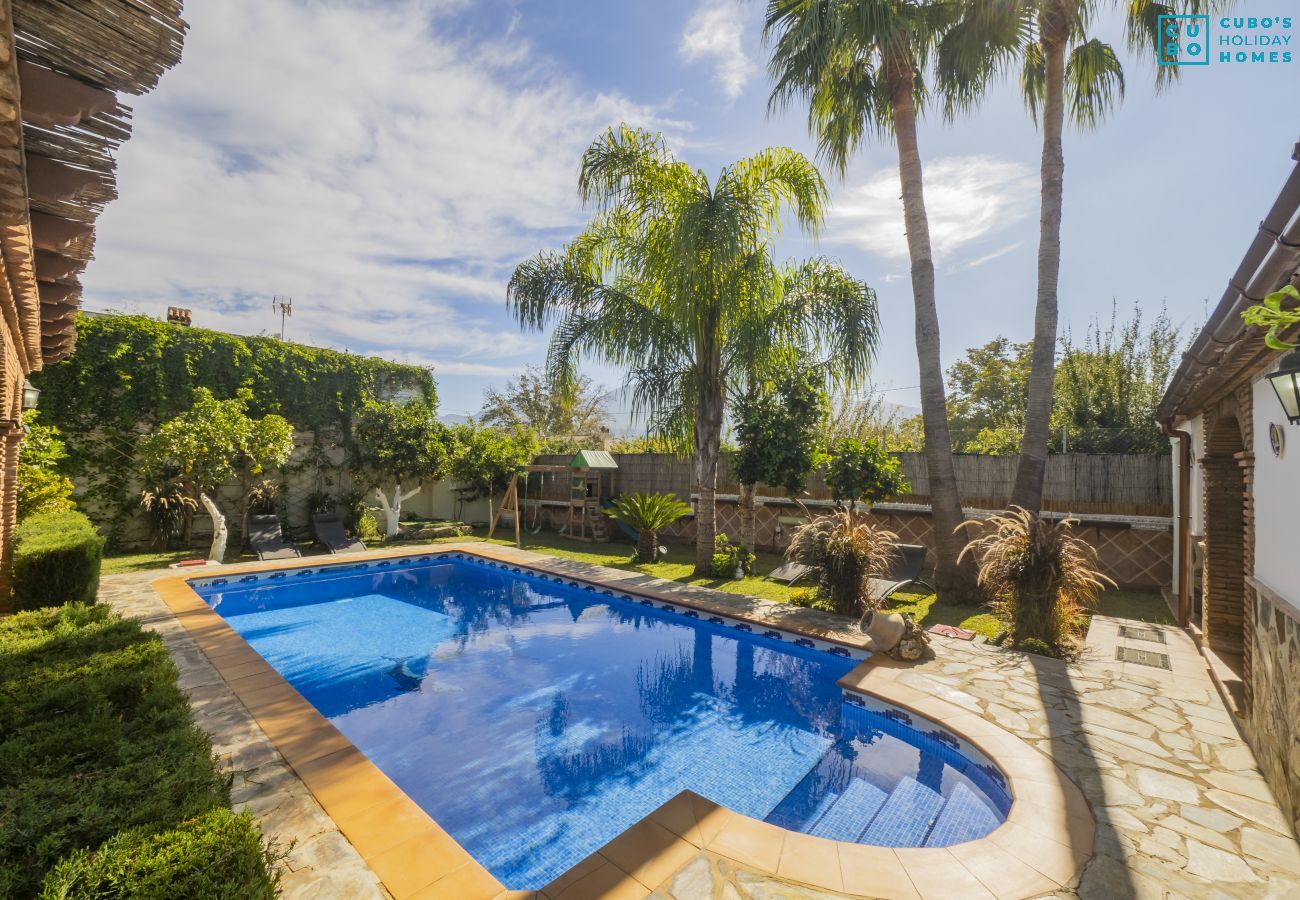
(1286, 384)
(30, 395)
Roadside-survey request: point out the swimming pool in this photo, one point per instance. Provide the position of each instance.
(535, 717)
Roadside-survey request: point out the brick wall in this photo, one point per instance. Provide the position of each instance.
(11, 404)
(1228, 467)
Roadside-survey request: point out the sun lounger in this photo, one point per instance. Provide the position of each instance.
(906, 570)
(267, 540)
(791, 572)
(329, 531)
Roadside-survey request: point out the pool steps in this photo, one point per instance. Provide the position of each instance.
(864, 814)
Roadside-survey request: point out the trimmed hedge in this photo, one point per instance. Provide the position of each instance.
(217, 856)
(96, 738)
(56, 560)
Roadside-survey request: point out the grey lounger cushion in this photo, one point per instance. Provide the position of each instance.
(266, 539)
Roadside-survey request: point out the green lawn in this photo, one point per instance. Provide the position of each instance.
(679, 564)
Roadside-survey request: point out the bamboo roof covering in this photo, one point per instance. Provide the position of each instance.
(63, 65)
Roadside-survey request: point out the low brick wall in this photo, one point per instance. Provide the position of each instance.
(1135, 552)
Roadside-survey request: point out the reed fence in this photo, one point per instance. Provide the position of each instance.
(1092, 484)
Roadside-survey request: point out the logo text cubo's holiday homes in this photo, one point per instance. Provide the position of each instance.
(1227, 40)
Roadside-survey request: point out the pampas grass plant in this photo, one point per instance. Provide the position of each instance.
(848, 550)
(1039, 576)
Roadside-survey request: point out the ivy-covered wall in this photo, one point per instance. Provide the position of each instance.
(131, 372)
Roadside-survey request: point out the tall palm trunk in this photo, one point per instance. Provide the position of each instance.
(708, 440)
(1028, 489)
(748, 532)
(953, 579)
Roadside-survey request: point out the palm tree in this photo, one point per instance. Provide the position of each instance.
(648, 514)
(1063, 73)
(858, 65)
(674, 279)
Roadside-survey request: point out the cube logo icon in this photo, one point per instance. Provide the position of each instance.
(1184, 41)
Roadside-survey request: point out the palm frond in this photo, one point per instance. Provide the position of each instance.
(1094, 82)
(978, 49)
(1033, 78)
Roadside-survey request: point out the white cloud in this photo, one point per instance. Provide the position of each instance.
(354, 156)
(967, 198)
(715, 33)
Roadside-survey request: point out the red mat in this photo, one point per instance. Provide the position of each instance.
(952, 631)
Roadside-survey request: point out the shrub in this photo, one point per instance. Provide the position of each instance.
(809, 598)
(169, 508)
(728, 557)
(648, 514)
(1034, 645)
(1039, 577)
(863, 470)
(95, 738)
(368, 530)
(42, 491)
(56, 560)
(847, 550)
(42, 488)
(216, 856)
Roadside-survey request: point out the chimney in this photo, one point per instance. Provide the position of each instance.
(178, 316)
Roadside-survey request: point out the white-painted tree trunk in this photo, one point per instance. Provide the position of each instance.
(220, 533)
(393, 509)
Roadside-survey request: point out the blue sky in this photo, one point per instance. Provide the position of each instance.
(388, 163)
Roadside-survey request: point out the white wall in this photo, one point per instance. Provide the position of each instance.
(1277, 497)
(438, 501)
(1193, 500)
(1196, 428)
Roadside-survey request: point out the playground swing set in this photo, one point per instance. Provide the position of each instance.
(592, 478)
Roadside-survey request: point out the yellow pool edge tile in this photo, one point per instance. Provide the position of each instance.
(425, 862)
(1051, 839)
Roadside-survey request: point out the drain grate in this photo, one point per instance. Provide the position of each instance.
(1143, 657)
(1154, 635)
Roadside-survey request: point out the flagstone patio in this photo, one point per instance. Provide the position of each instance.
(1181, 809)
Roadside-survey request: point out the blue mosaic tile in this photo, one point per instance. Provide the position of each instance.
(667, 607)
(946, 738)
(741, 626)
(838, 651)
(647, 603)
(906, 816)
(691, 614)
(964, 817)
(716, 620)
(804, 642)
(898, 716)
(774, 635)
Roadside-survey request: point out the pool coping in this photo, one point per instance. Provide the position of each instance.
(1041, 847)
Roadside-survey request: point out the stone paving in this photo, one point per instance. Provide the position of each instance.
(1181, 808)
(319, 862)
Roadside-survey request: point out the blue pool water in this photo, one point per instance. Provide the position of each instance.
(535, 720)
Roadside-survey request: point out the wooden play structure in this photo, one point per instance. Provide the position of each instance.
(591, 478)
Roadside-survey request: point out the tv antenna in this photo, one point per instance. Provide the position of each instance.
(285, 306)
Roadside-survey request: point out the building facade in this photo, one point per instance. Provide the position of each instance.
(1236, 583)
(62, 69)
